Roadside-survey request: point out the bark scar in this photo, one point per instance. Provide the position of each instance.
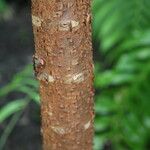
(39, 64)
(45, 77)
(74, 78)
(68, 25)
(58, 130)
(87, 125)
(36, 21)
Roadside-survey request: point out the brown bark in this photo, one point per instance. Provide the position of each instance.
(64, 66)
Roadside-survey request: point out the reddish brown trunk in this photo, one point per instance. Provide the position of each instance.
(64, 67)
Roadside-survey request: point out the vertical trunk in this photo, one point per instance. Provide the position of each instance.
(64, 67)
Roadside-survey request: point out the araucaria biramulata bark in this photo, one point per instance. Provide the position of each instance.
(63, 65)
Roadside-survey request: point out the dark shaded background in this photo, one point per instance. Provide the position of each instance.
(16, 50)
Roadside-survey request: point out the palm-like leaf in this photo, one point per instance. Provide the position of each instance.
(122, 29)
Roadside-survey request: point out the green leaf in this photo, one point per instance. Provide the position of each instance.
(112, 78)
(101, 123)
(98, 142)
(11, 108)
(30, 93)
(9, 128)
(105, 104)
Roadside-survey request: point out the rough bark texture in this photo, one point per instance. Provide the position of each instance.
(64, 66)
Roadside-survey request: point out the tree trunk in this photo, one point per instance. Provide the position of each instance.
(64, 66)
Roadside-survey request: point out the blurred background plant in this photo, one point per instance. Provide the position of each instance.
(121, 40)
(24, 83)
(121, 35)
(2, 5)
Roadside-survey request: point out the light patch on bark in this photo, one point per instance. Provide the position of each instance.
(87, 125)
(36, 21)
(58, 130)
(74, 23)
(88, 19)
(50, 113)
(46, 77)
(75, 62)
(50, 78)
(67, 25)
(41, 131)
(93, 66)
(74, 78)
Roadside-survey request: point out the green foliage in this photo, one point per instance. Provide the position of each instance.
(2, 5)
(22, 83)
(11, 108)
(8, 129)
(122, 31)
